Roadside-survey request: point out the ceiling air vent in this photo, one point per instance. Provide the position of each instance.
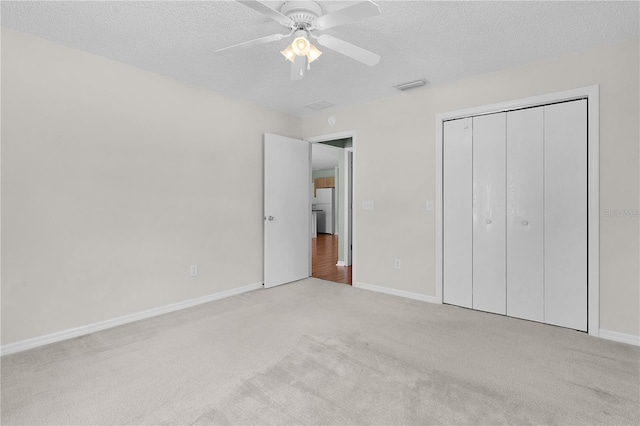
(411, 85)
(319, 105)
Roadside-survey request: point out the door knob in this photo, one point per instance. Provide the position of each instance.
(270, 218)
(488, 221)
(525, 223)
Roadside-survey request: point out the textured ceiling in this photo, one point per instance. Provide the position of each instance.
(439, 41)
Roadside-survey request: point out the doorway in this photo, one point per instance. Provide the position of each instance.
(332, 209)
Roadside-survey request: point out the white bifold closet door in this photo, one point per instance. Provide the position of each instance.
(525, 214)
(457, 204)
(489, 229)
(515, 213)
(565, 214)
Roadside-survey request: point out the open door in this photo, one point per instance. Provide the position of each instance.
(287, 206)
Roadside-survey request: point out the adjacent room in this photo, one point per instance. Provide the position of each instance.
(331, 217)
(320, 212)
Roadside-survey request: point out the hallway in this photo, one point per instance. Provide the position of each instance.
(324, 250)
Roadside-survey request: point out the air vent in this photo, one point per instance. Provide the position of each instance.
(411, 85)
(319, 105)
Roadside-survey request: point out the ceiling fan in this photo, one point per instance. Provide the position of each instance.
(303, 18)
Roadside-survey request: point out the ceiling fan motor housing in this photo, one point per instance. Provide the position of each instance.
(303, 13)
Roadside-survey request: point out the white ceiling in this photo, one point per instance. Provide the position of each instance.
(439, 41)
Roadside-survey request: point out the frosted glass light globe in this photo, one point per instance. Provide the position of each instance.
(300, 46)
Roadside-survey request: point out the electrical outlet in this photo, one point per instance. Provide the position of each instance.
(397, 264)
(194, 270)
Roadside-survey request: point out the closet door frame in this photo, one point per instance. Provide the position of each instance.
(591, 93)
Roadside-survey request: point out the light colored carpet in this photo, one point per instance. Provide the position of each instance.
(314, 352)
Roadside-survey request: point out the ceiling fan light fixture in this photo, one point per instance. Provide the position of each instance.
(289, 54)
(301, 18)
(301, 46)
(314, 53)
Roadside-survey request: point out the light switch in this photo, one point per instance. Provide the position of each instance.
(367, 205)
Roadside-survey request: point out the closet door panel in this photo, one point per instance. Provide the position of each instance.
(489, 222)
(525, 214)
(565, 146)
(457, 234)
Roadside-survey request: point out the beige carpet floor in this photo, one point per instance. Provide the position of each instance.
(314, 352)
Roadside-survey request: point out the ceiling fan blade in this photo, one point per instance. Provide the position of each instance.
(266, 10)
(251, 43)
(299, 68)
(348, 49)
(356, 12)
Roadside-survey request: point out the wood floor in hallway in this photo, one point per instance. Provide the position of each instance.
(324, 249)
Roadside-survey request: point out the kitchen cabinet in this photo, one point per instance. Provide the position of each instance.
(325, 182)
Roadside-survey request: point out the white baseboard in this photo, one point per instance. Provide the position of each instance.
(70, 333)
(619, 337)
(394, 292)
(341, 263)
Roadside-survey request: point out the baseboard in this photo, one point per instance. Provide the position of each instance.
(604, 334)
(620, 337)
(341, 263)
(394, 292)
(23, 345)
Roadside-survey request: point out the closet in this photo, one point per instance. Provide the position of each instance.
(515, 213)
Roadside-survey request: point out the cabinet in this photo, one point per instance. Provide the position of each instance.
(325, 182)
(515, 213)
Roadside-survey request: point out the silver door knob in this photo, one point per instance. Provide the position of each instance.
(525, 223)
(270, 218)
(488, 221)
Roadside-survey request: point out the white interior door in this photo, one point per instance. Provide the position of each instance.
(489, 222)
(457, 205)
(525, 214)
(287, 207)
(565, 200)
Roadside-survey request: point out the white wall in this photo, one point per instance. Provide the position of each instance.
(114, 181)
(397, 135)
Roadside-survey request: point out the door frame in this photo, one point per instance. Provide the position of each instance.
(591, 93)
(342, 135)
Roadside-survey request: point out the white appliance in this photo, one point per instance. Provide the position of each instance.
(325, 201)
